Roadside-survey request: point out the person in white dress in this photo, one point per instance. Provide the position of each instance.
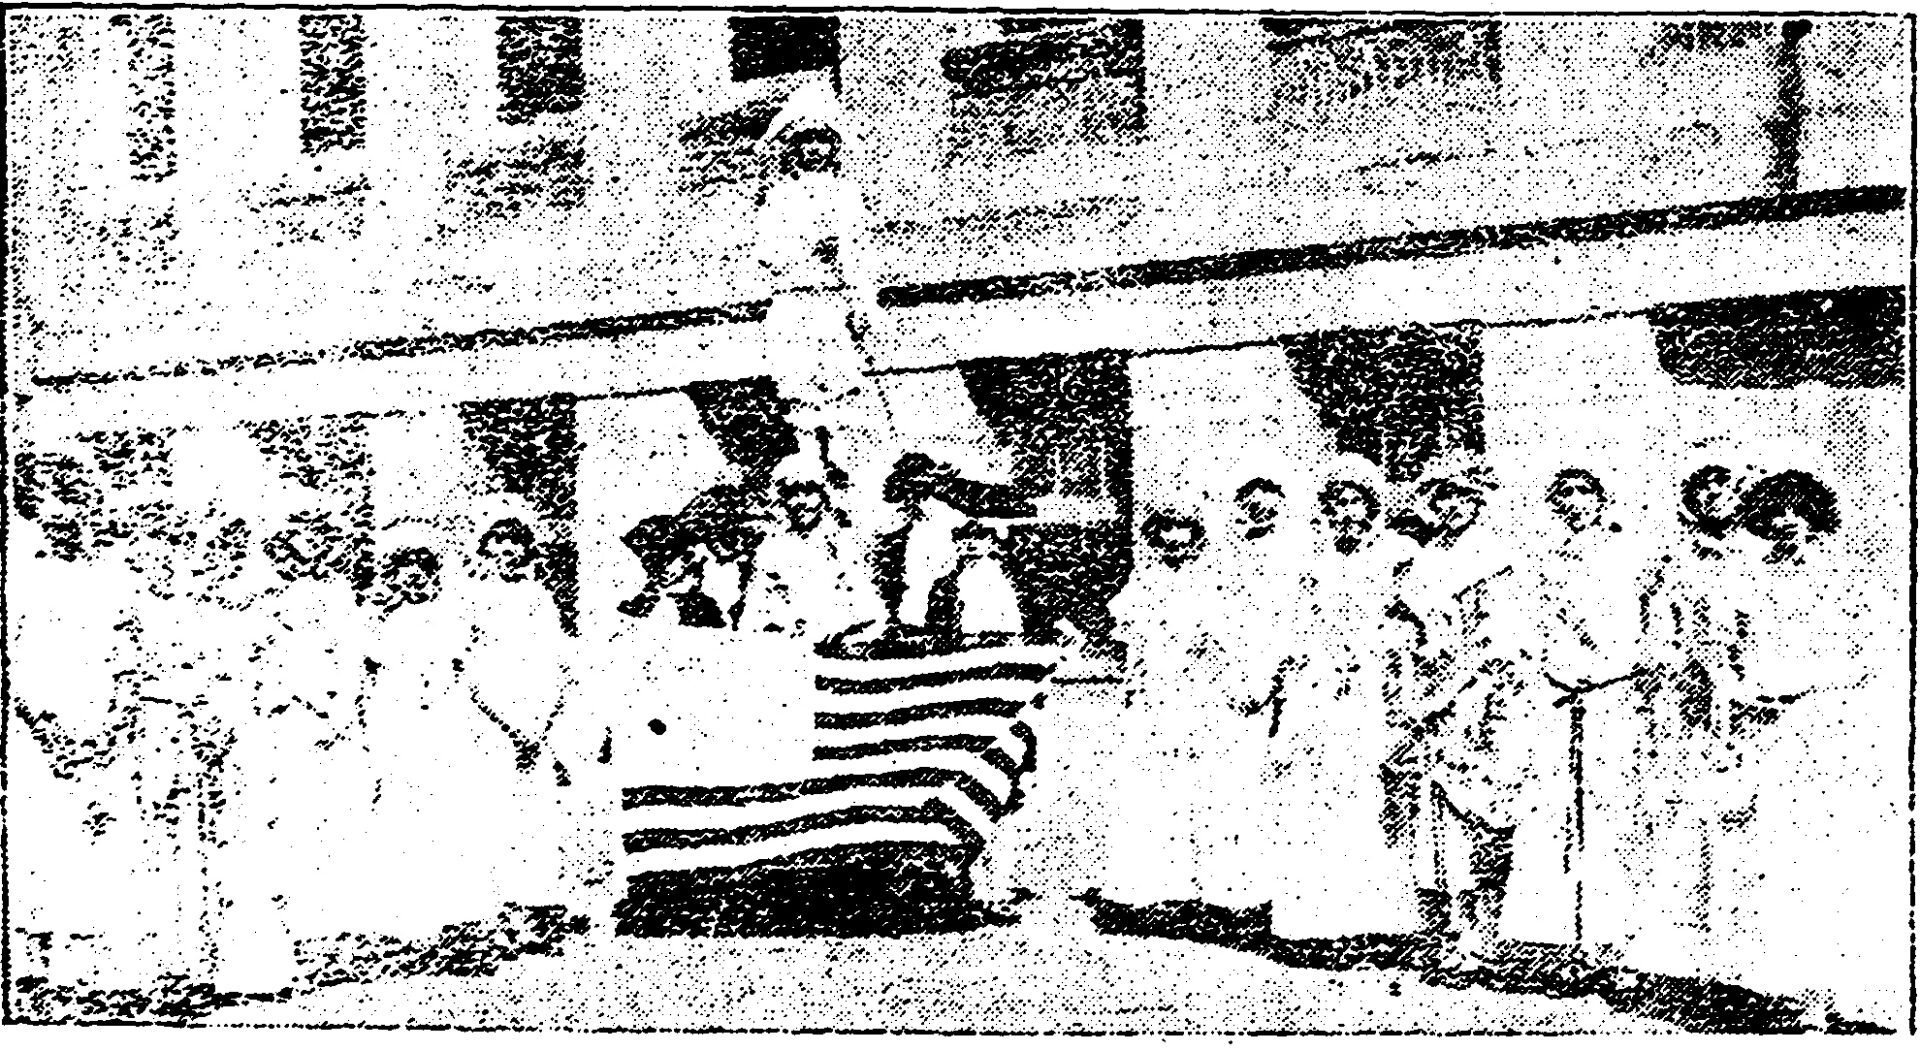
(802, 588)
(516, 670)
(321, 778)
(1254, 568)
(435, 837)
(1164, 616)
(71, 771)
(1334, 873)
(1801, 727)
(809, 231)
(1592, 578)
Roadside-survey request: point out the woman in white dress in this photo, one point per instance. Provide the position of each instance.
(1591, 579)
(1807, 750)
(1165, 616)
(1254, 568)
(321, 776)
(266, 743)
(516, 668)
(1333, 871)
(435, 831)
(73, 815)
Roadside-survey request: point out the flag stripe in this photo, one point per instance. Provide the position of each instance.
(932, 811)
(1006, 709)
(897, 684)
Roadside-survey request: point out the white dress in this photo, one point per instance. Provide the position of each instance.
(1166, 740)
(1781, 918)
(74, 814)
(1253, 590)
(435, 838)
(800, 587)
(809, 349)
(1582, 851)
(1332, 869)
(516, 667)
(321, 776)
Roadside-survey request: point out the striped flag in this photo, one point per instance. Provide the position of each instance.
(909, 764)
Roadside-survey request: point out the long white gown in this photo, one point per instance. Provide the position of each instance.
(1164, 745)
(1333, 871)
(1581, 856)
(74, 815)
(1254, 588)
(517, 669)
(1801, 887)
(321, 776)
(434, 837)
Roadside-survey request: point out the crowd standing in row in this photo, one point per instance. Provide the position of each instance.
(270, 761)
(1403, 723)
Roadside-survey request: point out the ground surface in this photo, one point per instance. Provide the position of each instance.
(1051, 972)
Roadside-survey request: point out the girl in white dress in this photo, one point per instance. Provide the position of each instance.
(1334, 873)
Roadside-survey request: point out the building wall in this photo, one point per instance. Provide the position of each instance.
(272, 252)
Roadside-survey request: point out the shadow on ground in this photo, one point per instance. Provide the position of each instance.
(1696, 1005)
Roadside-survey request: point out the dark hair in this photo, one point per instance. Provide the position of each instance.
(512, 529)
(972, 529)
(1161, 522)
(415, 557)
(790, 150)
(790, 487)
(1789, 490)
(659, 542)
(1333, 487)
(1445, 488)
(814, 133)
(1696, 485)
(1257, 485)
(1569, 474)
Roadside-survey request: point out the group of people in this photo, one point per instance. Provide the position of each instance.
(1396, 721)
(230, 750)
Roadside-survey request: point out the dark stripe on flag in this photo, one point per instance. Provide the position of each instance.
(933, 811)
(747, 795)
(1004, 763)
(1020, 671)
(915, 713)
(934, 743)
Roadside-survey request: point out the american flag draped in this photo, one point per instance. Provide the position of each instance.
(909, 764)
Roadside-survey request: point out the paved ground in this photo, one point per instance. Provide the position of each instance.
(1049, 973)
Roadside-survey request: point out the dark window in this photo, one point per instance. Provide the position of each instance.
(1325, 66)
(1049, 82)
(154, 149)
(1853, 337)
(540, 67)
(333, 83)
(775, 45)
(1708, 36)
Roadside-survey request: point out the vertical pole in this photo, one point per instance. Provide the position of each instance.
(1577, 847)
(1789, 119)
